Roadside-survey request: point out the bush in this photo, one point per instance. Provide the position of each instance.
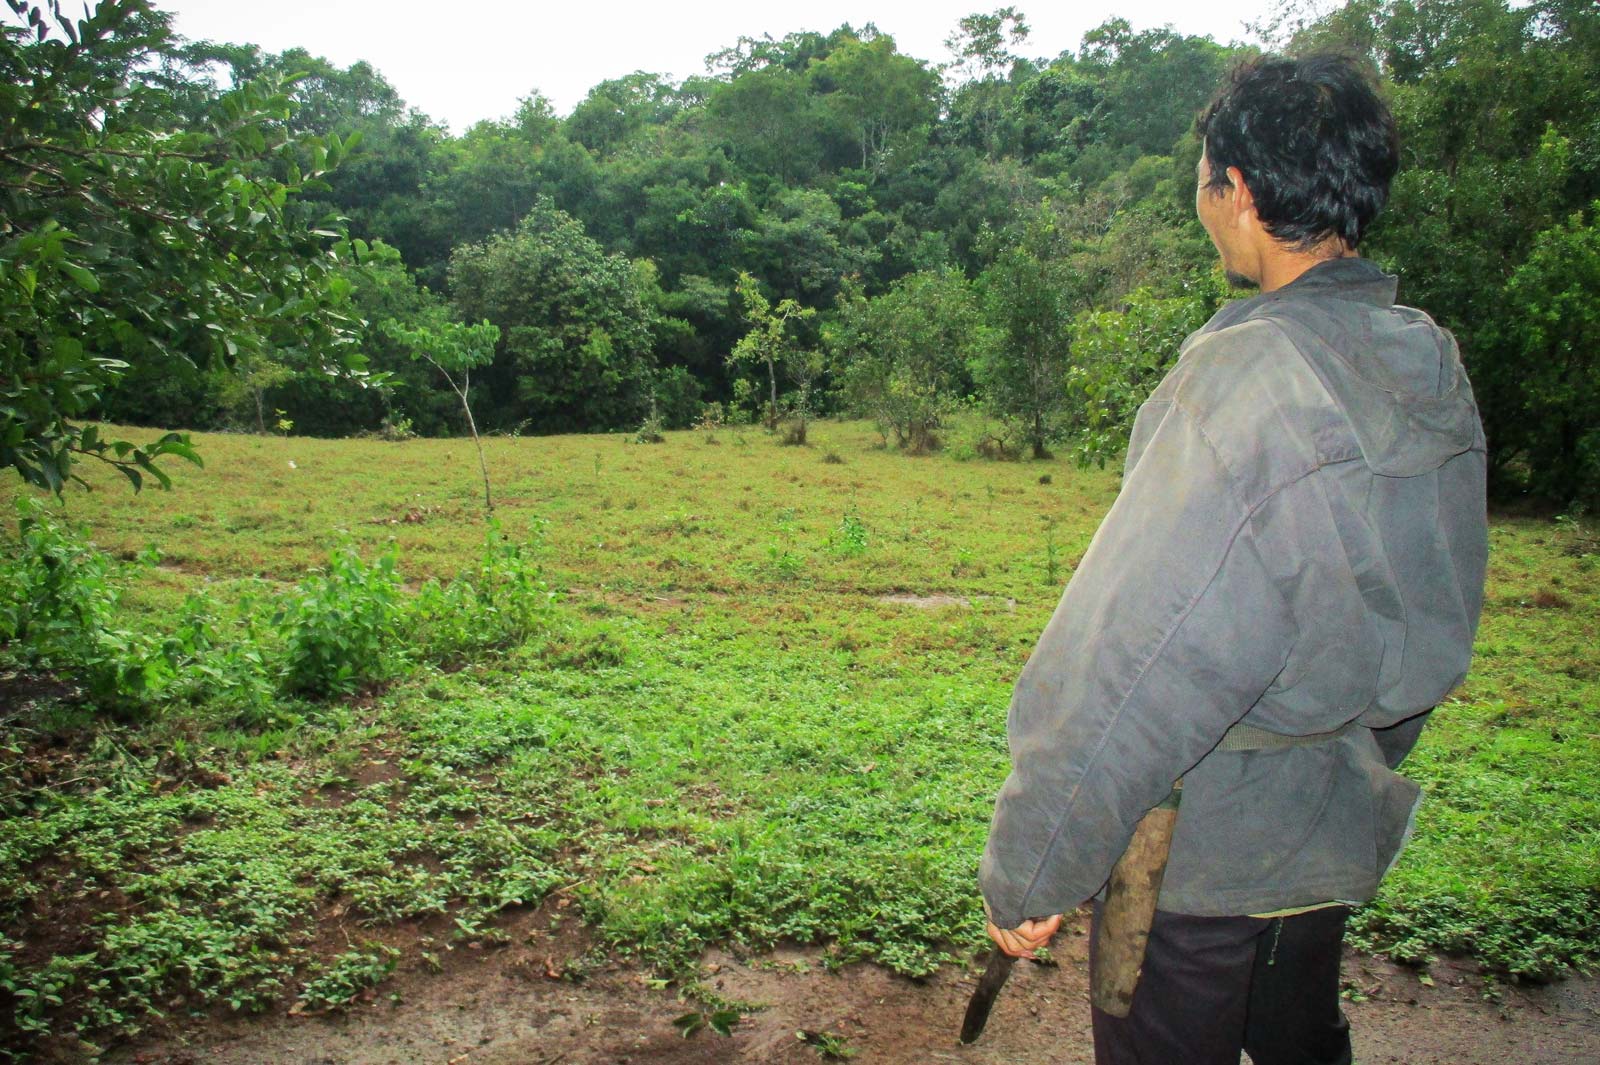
(1119, 357)
(338, 624)
(903, 357)
(499, 604)
(678, 397)
(58, 601)
(973, 435)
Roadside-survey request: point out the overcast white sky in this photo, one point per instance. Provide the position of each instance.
(464, 60)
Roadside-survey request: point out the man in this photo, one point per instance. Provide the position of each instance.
(1288, 582)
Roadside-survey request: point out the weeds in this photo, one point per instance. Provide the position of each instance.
(830, 1046)
(341, 627)
(720, 1021)
(348, 977)
(850, 538)
(500, 602)
(59, 598)
(1052, 559)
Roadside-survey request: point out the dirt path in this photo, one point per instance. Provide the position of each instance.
(502, 1008)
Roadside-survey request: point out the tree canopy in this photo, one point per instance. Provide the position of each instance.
(176, 217)
(146, 230)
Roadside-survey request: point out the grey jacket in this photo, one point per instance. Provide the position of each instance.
(1299, 543)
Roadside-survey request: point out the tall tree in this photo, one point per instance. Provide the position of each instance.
(771, 123)
(617, 110)
(575, 324)
(876, 94)
(981, 43)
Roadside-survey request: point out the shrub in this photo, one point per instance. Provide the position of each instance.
(649, 431)
(677, 395)
(500, 603)
(902, 358)
(338, 624)
(58, 601)
(711, 419)
(1120, 356)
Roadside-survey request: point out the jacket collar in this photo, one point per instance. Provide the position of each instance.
(1352, 278)
(1355, 279)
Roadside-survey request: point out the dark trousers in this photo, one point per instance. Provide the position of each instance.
(1213, 986)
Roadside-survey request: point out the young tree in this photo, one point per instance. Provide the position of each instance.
(249, 382)
(575, 324)
(1030, 296)
(455, 350)
(768, 340)
(381, 291)
(135, 233)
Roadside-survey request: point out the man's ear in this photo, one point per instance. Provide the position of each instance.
(1239, 193)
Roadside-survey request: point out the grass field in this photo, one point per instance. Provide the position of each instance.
(769, 705)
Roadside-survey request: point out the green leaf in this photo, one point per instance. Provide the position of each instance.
(81, 276)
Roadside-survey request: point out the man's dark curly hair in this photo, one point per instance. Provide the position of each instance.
(1315, 142)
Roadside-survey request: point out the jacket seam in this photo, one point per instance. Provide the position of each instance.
(1270, 489)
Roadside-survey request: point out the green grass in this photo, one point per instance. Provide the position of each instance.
(731, 735)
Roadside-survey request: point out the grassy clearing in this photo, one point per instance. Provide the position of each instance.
(734, 732)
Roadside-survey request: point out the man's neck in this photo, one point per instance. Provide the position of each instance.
(1280, 265)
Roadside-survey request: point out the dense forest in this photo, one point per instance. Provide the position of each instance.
(203, 235)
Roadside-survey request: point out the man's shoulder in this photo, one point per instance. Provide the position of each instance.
(1240, 371)
(1253, 395)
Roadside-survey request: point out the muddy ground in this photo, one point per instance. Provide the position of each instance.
(519, 1005)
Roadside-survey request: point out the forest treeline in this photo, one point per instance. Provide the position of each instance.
(818, 224)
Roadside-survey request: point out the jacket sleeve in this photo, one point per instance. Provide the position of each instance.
(1169, 631)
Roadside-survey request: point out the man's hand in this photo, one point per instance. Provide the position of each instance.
(1029, 936)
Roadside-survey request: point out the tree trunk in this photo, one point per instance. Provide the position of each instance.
(461, 391)
(472, 424)
(772, 404)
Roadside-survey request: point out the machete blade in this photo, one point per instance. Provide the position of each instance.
(994, 978)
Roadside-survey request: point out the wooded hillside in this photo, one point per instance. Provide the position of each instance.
(1034, 212)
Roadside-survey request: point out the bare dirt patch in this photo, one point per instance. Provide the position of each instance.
(504, 1008)
(939, 600)
(926, 602)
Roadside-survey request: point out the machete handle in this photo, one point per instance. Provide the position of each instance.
(1129, 909)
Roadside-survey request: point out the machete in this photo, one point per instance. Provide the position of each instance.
(1124, 930)
(989, 985)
